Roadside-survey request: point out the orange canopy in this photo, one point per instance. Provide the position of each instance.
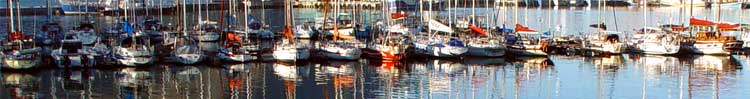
(398, 15)
(477, 30)
(700, 22)
(521, 28)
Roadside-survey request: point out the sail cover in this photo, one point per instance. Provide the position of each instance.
(437, 26)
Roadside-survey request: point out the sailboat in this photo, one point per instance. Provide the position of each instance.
(484, 45)
(237, 47)
(526, 42)
(20, 51)
(439, 44)
(186, 51)
(390, 45)
(86, 33)
(257, 27)
(343, 21)
(288, 50)
(207, 31)
(603, 42)
(709, 39)
(652, 40)
(134, 48)
(345, 49)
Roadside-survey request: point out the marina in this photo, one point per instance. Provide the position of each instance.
(374, 49)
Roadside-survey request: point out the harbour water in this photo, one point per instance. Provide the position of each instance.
(620, 77)
(625, 76)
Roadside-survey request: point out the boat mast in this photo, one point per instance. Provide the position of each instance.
(473, 12)
(246, 9)
(450, 18)
(18, 15)
(718, 19)
(11, 14)
(645, 14)
(184, 18)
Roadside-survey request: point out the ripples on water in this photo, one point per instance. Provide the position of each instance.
(626, 76)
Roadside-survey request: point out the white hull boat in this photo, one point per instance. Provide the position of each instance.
(188, 54)
(69, 55)
(24, 59)
(659, 44)
(530, 44)
(134, 53)
(340, 51)
(134, 57)
(604, 43)
(303, 32)
(392, 53)
(342, 31)
(530, 50)
(708, 47)
(206, 36)
(87, 37)
(241, 54)
(186, 51)
(291, 52)
(485, 49)
(439, 49)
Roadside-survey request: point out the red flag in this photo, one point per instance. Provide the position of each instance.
(477, 30)
(521, 28)
(694, 21)
(398, 15)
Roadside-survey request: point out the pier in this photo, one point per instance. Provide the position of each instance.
(319, 4)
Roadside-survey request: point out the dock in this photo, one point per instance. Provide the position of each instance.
(318, 4)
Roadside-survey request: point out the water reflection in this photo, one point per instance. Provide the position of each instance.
(621, 76)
